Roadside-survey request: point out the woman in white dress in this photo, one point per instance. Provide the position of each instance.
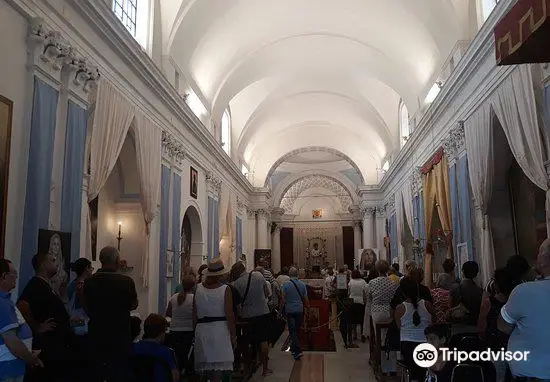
(215, 335)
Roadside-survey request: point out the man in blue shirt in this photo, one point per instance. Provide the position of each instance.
(151, 346)
(15, 334)
(525, 317)
(294, 301)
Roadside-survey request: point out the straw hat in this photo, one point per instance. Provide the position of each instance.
(215, 268)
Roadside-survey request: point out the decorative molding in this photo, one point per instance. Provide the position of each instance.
(454, 144)
(251, 213)
(389, 204)
(416, 181)
(263, 213)
(213, 185)
(172, 148)
(357, 225)
(241, 206)
(53, 54)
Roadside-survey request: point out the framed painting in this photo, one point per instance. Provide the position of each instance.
(57, 244)
(6, 115)
(194, 183)
(317, 214)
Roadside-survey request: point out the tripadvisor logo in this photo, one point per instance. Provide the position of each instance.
(426, 355)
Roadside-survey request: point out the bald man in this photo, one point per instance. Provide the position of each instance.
(525, 317)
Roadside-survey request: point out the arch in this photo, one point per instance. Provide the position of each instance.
(404, 126)
(295, 189)
(292, 153)
(196, 243)
(288, 181)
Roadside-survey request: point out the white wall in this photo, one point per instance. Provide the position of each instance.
(13, 85)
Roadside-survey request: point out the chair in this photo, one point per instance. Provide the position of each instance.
(467, 372)
(143, 367)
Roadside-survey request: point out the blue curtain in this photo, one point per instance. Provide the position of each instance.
(393, 238)
(164, 224)
(465, 206)
(210, 228)
(39, 173)
(73, 172)
(547, 109)
(216, 231)
(176, 228)
(454, 208)
(422, 218)
(239, 237)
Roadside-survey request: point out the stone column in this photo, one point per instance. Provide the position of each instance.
(357, 245)
(276, 249)
(261, 228)
(381, 232)
(368, 227)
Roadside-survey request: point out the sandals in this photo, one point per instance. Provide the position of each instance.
(267, 372)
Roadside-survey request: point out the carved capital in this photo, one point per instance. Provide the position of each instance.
(381, 212)
(263, 213)
(416, 181)
(241, 206)
(213, 184)
(172, 148)
(51, 52)
(367, 211)
(251, 213)
(454, 143)
(390, 203)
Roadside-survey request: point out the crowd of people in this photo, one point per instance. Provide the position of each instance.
(511, 313)
(223, 321)
(219, 322)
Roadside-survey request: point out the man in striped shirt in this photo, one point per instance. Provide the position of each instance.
(15, 334)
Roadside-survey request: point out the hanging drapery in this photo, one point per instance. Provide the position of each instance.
(479, 144)
(148, 152)
(408, 204)
(400, 216)
(112, 117)
(515, 107)
(443, 200)
(437, 198)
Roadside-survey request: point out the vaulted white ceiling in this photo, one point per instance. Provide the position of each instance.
(300, 73)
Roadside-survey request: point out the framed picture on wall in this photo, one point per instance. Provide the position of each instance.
(194, 183)
(57, 244)
(6, 111)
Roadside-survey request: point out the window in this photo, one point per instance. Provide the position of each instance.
(434, 91)
(487, 8)
(244, 170)
(226, 133)
(126, 11)
(386, 166)
(404, 128)
(134, 15)
(195, 104)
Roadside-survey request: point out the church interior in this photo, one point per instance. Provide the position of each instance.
(305, 135)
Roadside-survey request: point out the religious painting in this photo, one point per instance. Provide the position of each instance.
(194, 183)
(317, 214)
(6, 111)
(262, 258)
(367, 259)
(57, 244)
(169, 264)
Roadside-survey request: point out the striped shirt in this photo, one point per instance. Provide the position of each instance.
(12, 319)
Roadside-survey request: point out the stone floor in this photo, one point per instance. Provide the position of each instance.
(344, 365)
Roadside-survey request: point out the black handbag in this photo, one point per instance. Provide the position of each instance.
(393, 339)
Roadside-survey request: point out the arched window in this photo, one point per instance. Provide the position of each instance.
(226, 132)
(404, 129)
(135, 18)
(487, 7)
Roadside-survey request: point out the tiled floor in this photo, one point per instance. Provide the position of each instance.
(350, 365)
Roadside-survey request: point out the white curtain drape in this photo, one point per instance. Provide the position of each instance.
(148, 152)
(478, 131)
(408, 204)
(400, 217)
(515, 106)
(111, 119)
(333, 235)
